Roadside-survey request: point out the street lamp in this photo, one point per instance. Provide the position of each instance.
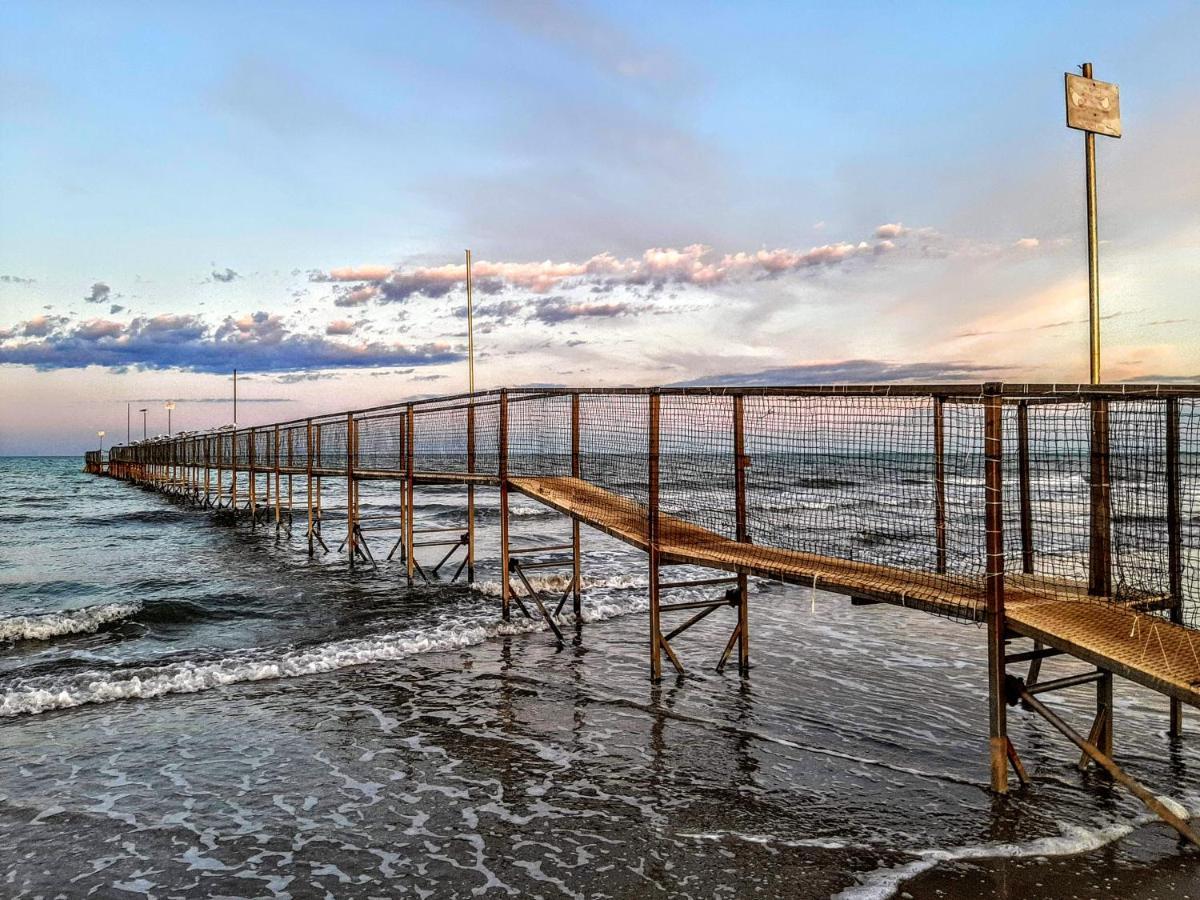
(143, 412)
(170, 406)
(100, 434)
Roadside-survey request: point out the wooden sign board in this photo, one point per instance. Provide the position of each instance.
(1093, 105)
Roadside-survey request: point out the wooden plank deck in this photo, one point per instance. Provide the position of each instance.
(1145, 649)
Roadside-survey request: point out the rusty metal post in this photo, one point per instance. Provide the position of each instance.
(308, 479)
(278, 508)
(576, 575)
(993, 449)
(652, 525)
(1100, 555)
(233, 492)
(471, 489)
(409, 494)
(939, 482)
(291, 464)
(1023, 475)
(505, 587)
(253, 480)
(1174, 540)
(350, 488)
(319, 461)
(741, 462)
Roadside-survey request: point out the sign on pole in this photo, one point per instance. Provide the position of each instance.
(1093, 105)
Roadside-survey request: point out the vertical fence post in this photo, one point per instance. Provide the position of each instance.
(939, 482)
(1100, 555)
(652, 524)
(994, 583)
(410, 493)
(308, 478)
(1174, 540)
(207, 471)
(1023, 476)
(253, 482)
(471, 491)
(576, 576)
(233, 498)
(291, 446)
(278, 508)
(740, 463)
(317, 486)
(505, 587)
(350, 487)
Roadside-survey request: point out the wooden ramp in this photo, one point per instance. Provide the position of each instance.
(1145, 649)
(1121, 639)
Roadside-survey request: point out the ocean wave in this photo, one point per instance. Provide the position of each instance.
(559, 583)
(44, 626)
(43, 695)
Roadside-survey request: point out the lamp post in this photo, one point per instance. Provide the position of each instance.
(100, 434)
(143, 412)
(170, 406)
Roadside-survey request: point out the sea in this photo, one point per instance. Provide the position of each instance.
(191, 707)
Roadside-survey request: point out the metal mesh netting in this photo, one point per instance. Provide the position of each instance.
(872, 491)
(539, 436)
(380, 442)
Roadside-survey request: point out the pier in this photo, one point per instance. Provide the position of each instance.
(1063, 519)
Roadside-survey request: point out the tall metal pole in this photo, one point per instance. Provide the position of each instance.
(470, 331)
(235, 396)
(1093, 242)
(143, 412)
(128, 421)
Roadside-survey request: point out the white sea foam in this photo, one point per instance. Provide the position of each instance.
(42, 695)
(559, 582)
(43, 626)
(1073, 839)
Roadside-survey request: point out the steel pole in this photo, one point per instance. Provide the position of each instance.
(1093, 242)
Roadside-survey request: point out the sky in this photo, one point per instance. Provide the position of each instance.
(759, 193)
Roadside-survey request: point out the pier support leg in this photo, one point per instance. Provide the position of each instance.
(655, 620)
(576, 582)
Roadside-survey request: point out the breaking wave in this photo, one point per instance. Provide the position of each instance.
(44, 626)
(44, 694)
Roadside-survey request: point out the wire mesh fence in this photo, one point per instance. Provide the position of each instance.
(874, 491)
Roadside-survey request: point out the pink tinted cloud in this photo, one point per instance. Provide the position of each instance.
(695, 264)
(339, 326)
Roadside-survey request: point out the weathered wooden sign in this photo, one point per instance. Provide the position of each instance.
(1093, 105)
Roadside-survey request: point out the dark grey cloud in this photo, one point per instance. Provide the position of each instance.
(852, 371)
(98, 294)
(115, 308)
(555, 310)
(16, 279)
(260, 342)
(225, 275)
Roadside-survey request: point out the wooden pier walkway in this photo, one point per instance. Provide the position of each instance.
(1064, 516)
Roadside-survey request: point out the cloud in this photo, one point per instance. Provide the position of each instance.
(1028, 243)
(357, 296)
(41, 326)
(340, 326)
(555, 310)
(16, 279)
(225, 275)
(852, 371)
(98, 294)
(115, 308)
(259, 342)
(695, 264)
(588, 37)
(890, 230)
